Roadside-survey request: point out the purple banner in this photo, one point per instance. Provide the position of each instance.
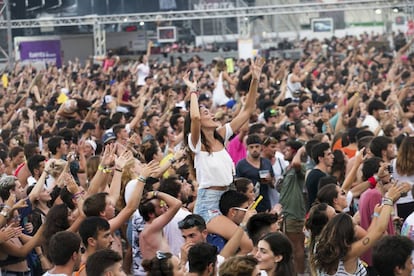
(47, 51)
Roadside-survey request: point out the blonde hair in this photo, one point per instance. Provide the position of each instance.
(57, 169)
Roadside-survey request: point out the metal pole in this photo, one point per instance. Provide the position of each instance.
(9, 35)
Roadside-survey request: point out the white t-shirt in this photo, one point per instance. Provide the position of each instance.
(142, 73)
(401, 179)
(407, 228)
(372, 124)
(279, 167)
(291, 87)
(215, 168)
(50, 274)
(173, 234)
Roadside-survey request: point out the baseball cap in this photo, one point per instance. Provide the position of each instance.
(91, 143)
(270, 113)
(107, 137)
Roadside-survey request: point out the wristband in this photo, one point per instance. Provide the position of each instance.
(103, 169)
(119, 170)
(142, 179)
(243, 226)
(375, 215)
(79, 194)
(154, 194)
(373, 182)
(172, 160)
(387, 201)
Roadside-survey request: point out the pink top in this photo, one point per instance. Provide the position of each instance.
(367, 203)
(236, 149)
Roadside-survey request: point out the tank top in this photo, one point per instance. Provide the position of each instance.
(360, 270)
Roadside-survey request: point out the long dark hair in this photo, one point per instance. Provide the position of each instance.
(56, 221)
(334, 242)
(280, 245)
(187, 131)
(317, 219)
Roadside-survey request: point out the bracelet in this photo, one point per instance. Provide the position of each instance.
(119, 170)
(103, 169)
(7, 207)
(154, 194)
(387, 201)
(243, 226)
(79, 194)
(172, 160)
(79, 197)
(372, 181)
(375, 215)
(142, 179)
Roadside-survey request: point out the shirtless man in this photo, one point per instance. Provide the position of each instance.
(156, 216)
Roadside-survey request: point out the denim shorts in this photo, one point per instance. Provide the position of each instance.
(207, 203)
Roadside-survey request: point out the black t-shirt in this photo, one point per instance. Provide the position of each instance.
(312, 182)
(244, 169)
(243, 85)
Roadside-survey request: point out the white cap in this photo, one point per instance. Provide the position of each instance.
(92, 143)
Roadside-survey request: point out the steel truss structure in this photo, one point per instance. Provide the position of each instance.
(98, 21)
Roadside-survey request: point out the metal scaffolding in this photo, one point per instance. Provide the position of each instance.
(204, 14)
(240, 12)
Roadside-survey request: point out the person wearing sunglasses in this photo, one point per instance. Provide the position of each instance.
(164, 263)
(234, 206)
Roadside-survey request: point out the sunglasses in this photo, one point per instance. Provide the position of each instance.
(240, 209)
(269, 140)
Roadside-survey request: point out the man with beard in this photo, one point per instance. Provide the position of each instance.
(96, 235)
(323, 158)
(157, 209)
(257, 169)
(305, 130)
(64, 253)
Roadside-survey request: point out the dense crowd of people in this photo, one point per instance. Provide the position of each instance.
(264, 166)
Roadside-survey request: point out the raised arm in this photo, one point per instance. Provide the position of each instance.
(378, 225)
(250, 106)
(173, 206)
(120, 162)
(133, 203)
(99, 179)
(194, 109)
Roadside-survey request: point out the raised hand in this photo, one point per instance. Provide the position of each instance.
(394, 192)
(125, 158)
(108, 157)
(150, 168)
(190, 84)
(257, 67)
(6, 233)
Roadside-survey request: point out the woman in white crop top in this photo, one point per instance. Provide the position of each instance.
(213, 165)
